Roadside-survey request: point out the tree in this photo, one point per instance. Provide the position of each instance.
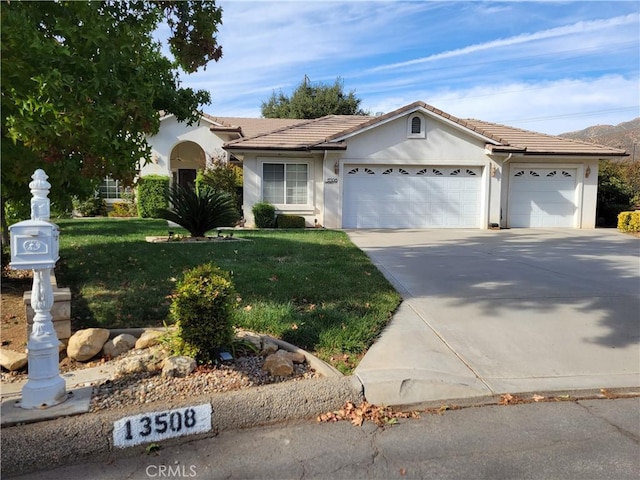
(313, 101)
(617, 190)
(83, 82)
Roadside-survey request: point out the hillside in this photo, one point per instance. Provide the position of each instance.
(625, 135)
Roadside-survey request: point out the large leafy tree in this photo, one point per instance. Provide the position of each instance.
(83, 82)
(313, 101)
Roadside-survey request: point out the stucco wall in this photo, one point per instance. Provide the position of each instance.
(170, 134)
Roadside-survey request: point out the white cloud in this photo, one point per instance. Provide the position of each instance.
(561, 60)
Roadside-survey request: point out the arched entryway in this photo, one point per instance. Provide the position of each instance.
(186, 159)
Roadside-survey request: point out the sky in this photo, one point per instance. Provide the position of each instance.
(551, 67)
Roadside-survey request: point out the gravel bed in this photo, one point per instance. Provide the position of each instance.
(141, 388)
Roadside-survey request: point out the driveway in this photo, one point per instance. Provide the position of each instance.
(485, 312)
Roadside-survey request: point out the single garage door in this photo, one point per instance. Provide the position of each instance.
(542, 197)
(411, 197)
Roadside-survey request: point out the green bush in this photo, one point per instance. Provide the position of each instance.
(202, 307)
(153, 195)
(289, 221)
(123, 209)
(90, 207)
(223, 177)
(200, 210)
(264, 214)
(629, 222)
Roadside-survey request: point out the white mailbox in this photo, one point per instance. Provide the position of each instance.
(34, 245)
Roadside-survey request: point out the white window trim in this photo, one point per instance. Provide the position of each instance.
(423, 126)
(295, 207)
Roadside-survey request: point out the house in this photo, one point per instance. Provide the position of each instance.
(179, 150)
(415, 167)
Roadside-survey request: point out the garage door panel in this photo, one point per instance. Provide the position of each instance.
(411, 197)
(542, 197)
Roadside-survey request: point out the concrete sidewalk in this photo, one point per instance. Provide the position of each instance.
(489, 312)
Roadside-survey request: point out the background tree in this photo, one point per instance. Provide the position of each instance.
(618, 190)
(313, 101)
(83, 82)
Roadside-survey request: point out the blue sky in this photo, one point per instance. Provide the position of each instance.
(551, 67)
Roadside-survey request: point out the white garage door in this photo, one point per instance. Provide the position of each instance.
(542, 197)
(411, 197)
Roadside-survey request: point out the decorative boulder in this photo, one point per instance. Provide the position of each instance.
(268, 347)
(86, 344)
(148, 361)
(149, 338)
(178, 366)
(118, 345)
(278, 364)
(11, 360)
(253, 338)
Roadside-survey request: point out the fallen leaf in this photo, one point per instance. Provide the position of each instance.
(248, 308)
(538, 398)
(403, 472)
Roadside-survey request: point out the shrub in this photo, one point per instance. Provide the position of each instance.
(289, 221)
(223, 177)
(629, 222)
(91, 207)
(123, 209)
(153, 195)
(200, 210)
(264, 214)
(202, 307)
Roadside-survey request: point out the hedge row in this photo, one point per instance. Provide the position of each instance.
(629, 221)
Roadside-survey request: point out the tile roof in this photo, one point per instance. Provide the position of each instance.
(329, 133)
(305, 135)
(250, 127)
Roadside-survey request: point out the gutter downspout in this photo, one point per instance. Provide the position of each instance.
(504, 162)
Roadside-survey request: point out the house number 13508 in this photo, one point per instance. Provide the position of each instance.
(152, 427)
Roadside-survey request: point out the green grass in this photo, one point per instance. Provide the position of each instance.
(312, 288)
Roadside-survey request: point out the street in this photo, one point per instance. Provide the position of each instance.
(563, 439)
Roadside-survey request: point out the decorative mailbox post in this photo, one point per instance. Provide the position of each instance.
(35, 246)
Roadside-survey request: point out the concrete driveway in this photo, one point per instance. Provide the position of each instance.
(506, 311)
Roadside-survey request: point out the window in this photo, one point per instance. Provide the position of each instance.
(416, 127)
(285, 183)
(110, 188)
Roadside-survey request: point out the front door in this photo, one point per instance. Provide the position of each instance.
(187, 177)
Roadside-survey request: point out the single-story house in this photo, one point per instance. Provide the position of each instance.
(415, 167)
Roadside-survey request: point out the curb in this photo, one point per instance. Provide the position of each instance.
(70, 440)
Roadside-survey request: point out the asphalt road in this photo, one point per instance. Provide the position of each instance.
(586, 439)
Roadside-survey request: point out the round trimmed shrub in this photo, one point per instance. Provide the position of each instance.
(264, 214)
(202, 307)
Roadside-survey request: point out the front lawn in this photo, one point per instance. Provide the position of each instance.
(312, 288)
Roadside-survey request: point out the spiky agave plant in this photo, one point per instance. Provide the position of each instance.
(200, 210)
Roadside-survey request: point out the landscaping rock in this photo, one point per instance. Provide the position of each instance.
(149, 338)
(119, 345)
(145, 361)
(278, 365)
(296, 357)
(11, 360)
(268, 347)
(86, 344)
(178, 366)
(253, 338)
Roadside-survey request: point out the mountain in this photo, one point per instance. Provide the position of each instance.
(625, 135)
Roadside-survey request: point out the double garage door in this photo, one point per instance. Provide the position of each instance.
(411, 196)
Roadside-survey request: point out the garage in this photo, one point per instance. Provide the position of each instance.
(543, 197)
(392, 196)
